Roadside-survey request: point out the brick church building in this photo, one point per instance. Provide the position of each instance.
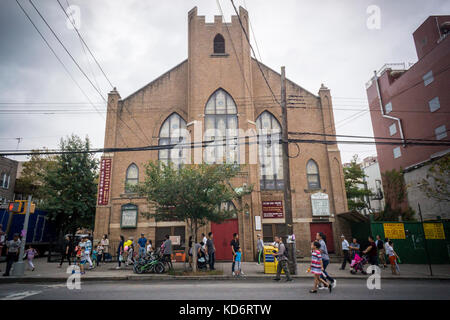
(218, 90)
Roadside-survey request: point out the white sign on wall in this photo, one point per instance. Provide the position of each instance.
(320, 204)
(258, 223)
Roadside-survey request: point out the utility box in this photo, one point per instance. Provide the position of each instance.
(270, 261)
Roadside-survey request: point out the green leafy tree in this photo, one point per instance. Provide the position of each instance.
(437, 182)
(355, 186)
(192, 193)
(70, 186)
(31, 180)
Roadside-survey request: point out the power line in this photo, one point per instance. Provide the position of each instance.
(84, 42)
(251, 48)
(67, 51)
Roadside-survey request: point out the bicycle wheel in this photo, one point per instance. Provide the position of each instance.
(159, 268)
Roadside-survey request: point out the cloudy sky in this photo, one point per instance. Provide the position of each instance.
(136, 41)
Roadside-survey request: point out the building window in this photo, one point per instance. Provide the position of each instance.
(272, 230)
(312, 175)
(219, 44)
(128, 218)
(434, 104)
(132, 177)
(270, 152)
(392, 129)
(221, 124)
(388, 107)
(5, 180)
(441, 132)
(428, 78)
(397, 153)
(173, 131)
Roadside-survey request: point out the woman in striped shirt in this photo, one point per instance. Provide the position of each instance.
(317, 267)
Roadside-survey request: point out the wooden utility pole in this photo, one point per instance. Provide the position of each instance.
(287, 178)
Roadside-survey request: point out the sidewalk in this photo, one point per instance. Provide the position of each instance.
(49, 272)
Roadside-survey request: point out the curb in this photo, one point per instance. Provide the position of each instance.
(134, 277)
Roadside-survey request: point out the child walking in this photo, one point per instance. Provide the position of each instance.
(317, 267)
(31, 253)
(392, 258)
(83, 259)
(237, 262)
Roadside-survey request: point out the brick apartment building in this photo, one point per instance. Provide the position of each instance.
(220, 86)
(8, 170)
(413, 101)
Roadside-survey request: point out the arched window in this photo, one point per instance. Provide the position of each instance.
(229, 206)
(312, 175)
(132, 177)
(221, 124)
(5, 180)
(173, 131)
(219, 44)
(270, 152)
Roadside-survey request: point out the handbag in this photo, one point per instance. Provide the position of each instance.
(120, 258)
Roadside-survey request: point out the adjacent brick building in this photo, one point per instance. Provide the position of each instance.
(413, 101)
(221, 86)
(8, 170)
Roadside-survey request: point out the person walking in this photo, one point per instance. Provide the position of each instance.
(211, 250)
(317, 267)
(321, 238)
(105, 245)
(88, 251)
(167, 254)
(260, 248)
(142, 242)
(234, 246)
(381, 251)
(345, 251)
(354, 247)
(66, 251)
(30, 254)
(12, 253)
(392, 257)
(120, 251)
(282, 259)
(371, 252)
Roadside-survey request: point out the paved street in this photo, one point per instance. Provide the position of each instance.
(239, 289)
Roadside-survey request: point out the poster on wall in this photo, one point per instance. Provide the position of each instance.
(320, 204)
(394, 230)
(258, 223)
(129, 217)
(434, 231)
(104, 182)
(272, 209)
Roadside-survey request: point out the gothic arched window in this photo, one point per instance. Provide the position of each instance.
(219, 44)
(221, 124)
(173, 131)
(132, 177)
(312, 174)
(270, 152)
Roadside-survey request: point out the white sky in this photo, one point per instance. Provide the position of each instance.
(136, 41)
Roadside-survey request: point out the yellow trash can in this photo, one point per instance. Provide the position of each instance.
(270, 262)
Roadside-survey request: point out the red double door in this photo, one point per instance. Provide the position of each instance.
(326, 229)
(223, 234)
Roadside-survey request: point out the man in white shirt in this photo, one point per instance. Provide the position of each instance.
(345, 251)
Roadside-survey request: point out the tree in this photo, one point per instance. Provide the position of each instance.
(31, 180)
(70, 186)
(437, 182)
(354, 179)
(192, 193)
(394, 195)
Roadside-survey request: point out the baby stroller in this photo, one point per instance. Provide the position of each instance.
(358, 264)
(201, 261)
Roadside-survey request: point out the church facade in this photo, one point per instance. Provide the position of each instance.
(219, 92)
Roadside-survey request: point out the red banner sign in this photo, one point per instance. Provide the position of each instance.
(272, 209)
(104, 182)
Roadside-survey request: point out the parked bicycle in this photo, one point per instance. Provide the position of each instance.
(150, 263)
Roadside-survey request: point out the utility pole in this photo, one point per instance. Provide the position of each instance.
(19, 266)
(287, 179)
(425, 241)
